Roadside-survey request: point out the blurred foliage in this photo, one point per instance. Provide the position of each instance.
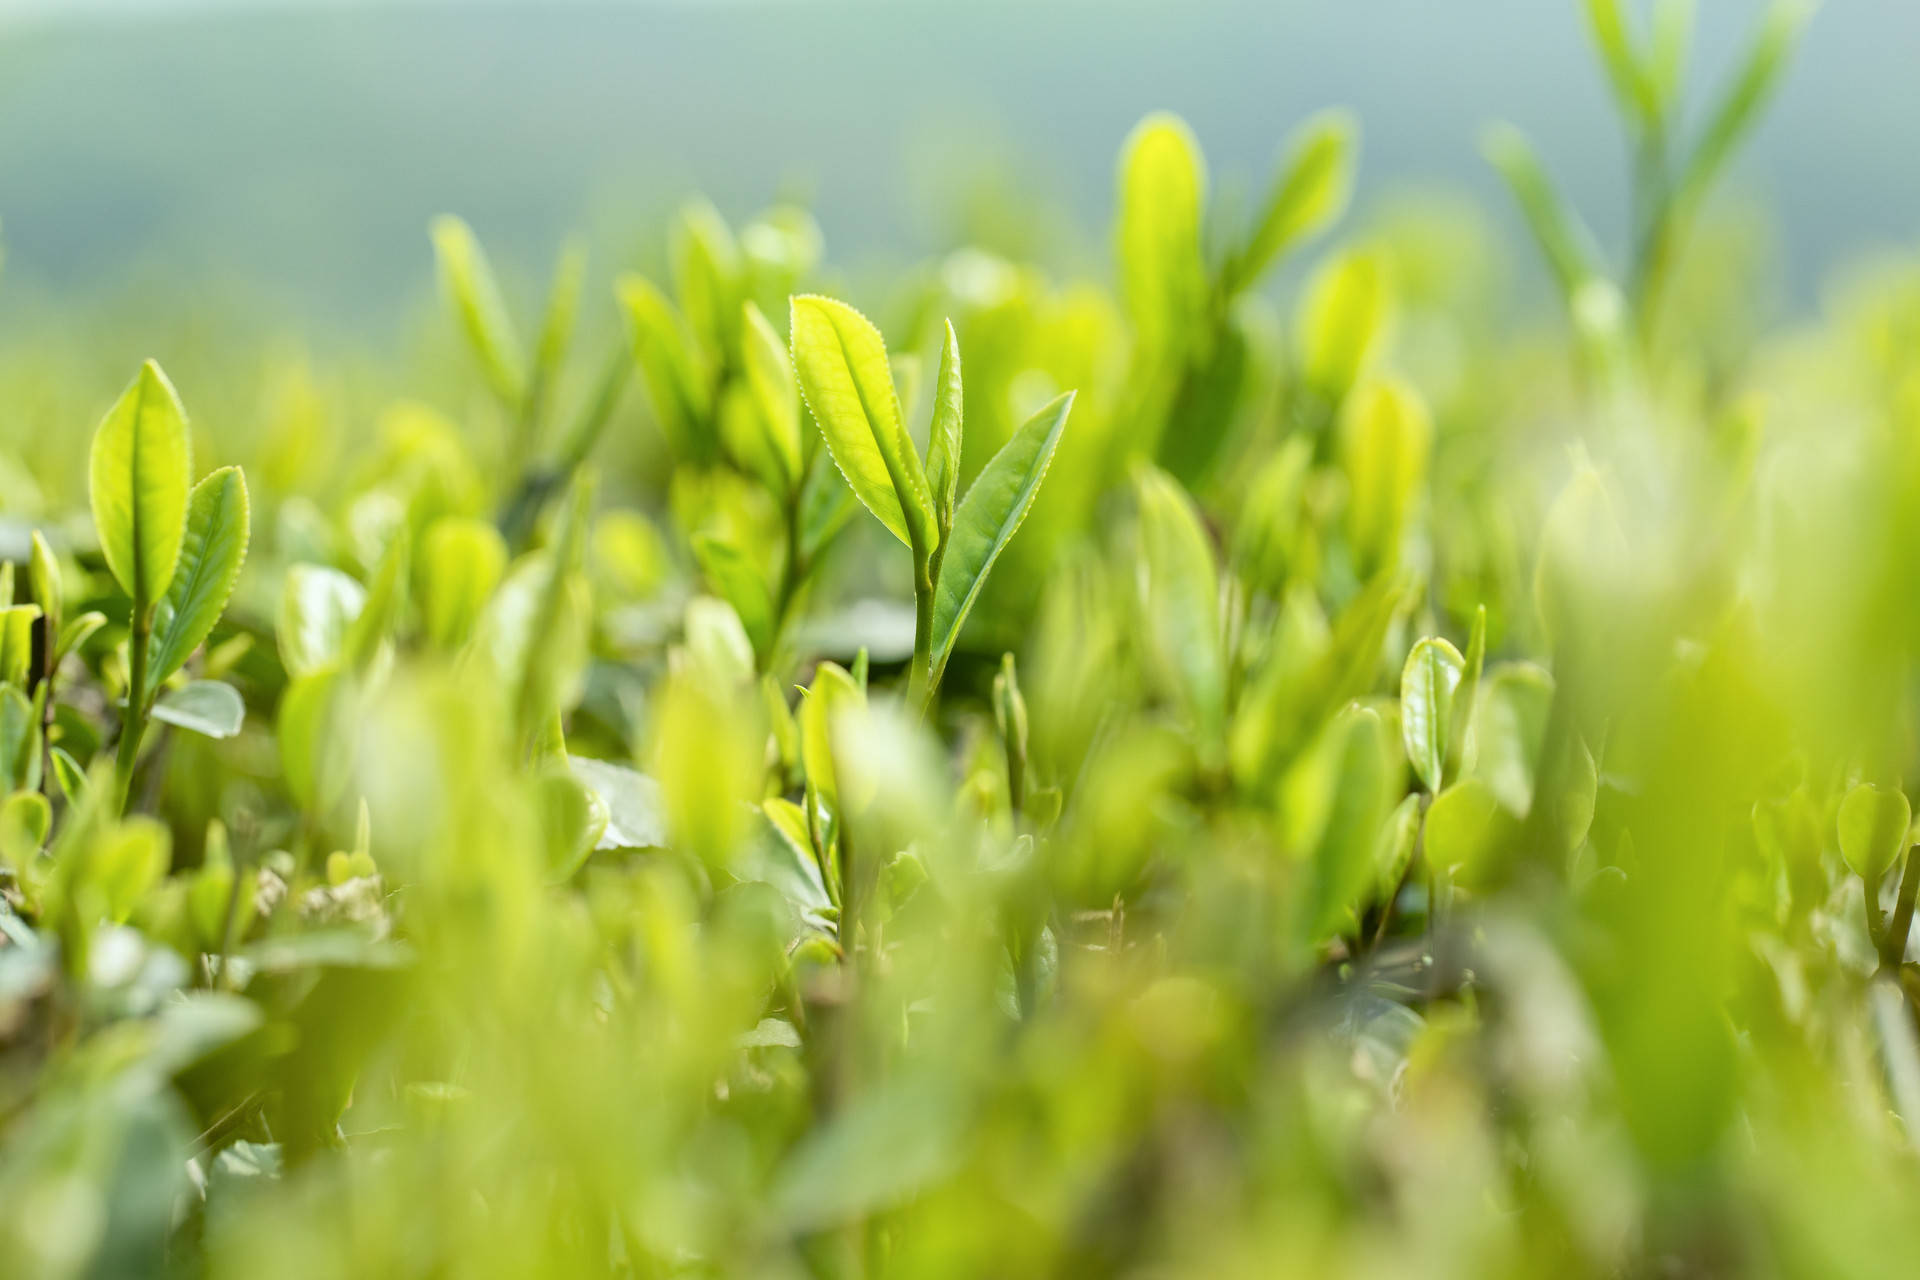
(1336, 784)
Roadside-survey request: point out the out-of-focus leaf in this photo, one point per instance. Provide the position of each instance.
(706, 275)
(461, 562)
(1342, 317)
(1874, 825)
(770, 380)
(468, 280)
(888, 1145)
(1466, 831)
(1568, 245)
(742, 584)
(1739, 106)
(682, 394)
(370, 633)
(1385, 437)
(634, 809)
(211, 708)
(1181, 587)
(1161, 200)
(317, 729)
(1310, 194)
(1365, 784)
(317, 606)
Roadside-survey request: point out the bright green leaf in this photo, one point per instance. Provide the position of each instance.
(841, 362)
(988, 518)
(210, 559)
(137, 481)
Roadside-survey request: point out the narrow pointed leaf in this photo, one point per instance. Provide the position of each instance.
(663, 347)
(944, 438)
(468, 280)
(988, 518)
(1311, 193)
(770, 381)
(210, 558)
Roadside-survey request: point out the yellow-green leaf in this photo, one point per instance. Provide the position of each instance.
(468, 280)
(944, 437)
(770, 381)
(1310, 194)
(1873, 829)
(137, 482)
(678, 384)
(841, 362)
(462, 560)
(210, 558)
(1162, 196)
(1385, 437)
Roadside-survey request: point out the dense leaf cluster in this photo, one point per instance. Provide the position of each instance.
(1062, 781)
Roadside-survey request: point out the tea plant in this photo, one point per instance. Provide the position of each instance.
(1336, 784)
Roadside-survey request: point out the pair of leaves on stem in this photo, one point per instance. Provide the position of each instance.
(841, 362)
(176, 551)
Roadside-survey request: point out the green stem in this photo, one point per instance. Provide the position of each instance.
(920, 682)
(134, 727)
(1893, 942)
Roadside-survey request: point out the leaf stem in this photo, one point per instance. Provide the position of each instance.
(134, 727)
(1893, 941)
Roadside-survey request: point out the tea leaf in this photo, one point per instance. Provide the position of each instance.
(769, 372)
(1874, 825)
(317, 607)
(742, 584)
(1181, 599)
(1162, 194)
(988, 518)
(1385, 437)
(16, 643)
(944, 436)
(461, 562)
(137, 481)
(1310, 194)
(1569, 247)
(468, 280)
(635, 811)
(211, 553)
(1427, 685)
(210, 708)
(1342, 319)
(1739, 106)
(663, 347)
(841, 361)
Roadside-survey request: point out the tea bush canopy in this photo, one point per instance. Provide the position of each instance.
(1256, 760)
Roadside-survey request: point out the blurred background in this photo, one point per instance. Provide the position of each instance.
(284, 157)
